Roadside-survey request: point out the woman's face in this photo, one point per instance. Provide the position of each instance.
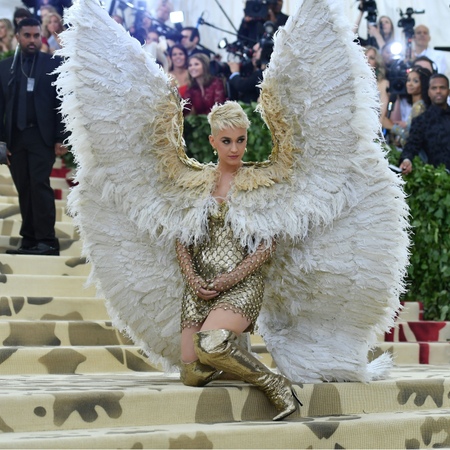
(2, 30)
(230, 144)
(385, 25)
(371, 58)
(53, 25)
(178, 58)
(413, 85)
(195, 68)
(146, 22)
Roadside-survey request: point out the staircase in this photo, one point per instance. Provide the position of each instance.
(68, 379)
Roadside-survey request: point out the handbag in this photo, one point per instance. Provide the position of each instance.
(3, 155)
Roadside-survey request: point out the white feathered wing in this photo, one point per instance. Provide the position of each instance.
(134, 194)
(330, 293)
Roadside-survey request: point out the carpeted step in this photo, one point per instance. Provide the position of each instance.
(52, 308)
(4, 169)
(15, 201)
(421, 331)
(72, 360)
(55, 182)
(414, 352)
(51, 402)
(412, 429)
(402, 352)
(54, 265)
(12, 212)
(45, 286)
(68, 247)
(7, 190)
(56, 333)
(64, 230)
(412, 311)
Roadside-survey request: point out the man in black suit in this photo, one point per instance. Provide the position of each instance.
(30, 124)
(190, 40)
(245, 89)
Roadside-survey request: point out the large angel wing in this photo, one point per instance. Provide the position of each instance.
(137, 190)
(330, 293)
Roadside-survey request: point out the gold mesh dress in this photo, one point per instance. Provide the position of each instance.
(222, 253)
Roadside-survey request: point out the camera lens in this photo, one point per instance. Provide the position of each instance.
(398, 85)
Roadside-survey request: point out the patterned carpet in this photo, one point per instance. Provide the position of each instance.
(68, 379)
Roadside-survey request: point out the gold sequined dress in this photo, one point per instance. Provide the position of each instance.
(219, 254)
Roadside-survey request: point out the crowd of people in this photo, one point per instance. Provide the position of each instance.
(419, 123)
(197, 72)
(416, 88)
(52, 26)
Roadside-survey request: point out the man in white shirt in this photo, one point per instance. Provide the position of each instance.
(421, 40)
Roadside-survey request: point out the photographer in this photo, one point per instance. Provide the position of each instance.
(245, 89)
(252, 26)
(382, 32)
(190, 40)
(59, 5)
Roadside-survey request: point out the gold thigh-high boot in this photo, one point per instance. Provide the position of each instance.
(218, 349)
(197, 374)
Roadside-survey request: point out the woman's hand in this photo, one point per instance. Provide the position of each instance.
(199, 286)
(374, 31)
(207, 294)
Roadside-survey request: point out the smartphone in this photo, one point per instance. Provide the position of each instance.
(395, 168)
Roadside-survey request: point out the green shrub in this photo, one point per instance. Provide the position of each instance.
(5, 55)
(428, 190)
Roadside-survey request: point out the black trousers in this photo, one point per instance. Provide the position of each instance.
(31, 165)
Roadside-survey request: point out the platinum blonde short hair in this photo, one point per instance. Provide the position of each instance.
(228, 115)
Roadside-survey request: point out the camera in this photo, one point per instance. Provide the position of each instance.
(370, 7)
(244, 53)
(258, 9)
(397, 77)
(240, 49)
(266, 42)
(407, 22)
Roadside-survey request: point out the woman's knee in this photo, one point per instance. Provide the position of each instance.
(226, 319)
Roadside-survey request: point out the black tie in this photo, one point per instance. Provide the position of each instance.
(22, 106)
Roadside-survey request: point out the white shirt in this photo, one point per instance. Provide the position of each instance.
(437, 57)
(405, 109)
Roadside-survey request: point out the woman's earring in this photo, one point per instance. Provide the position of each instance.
(245, 150)
(215, 151)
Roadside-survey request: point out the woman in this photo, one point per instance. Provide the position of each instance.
(204, 90)
(20, 14)
(325, 299)
(178, 70)
(224, 284)
(417, 83)
(52, 27)
(6, 36)
(376, 62)
(143, 20)
(382, 32)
